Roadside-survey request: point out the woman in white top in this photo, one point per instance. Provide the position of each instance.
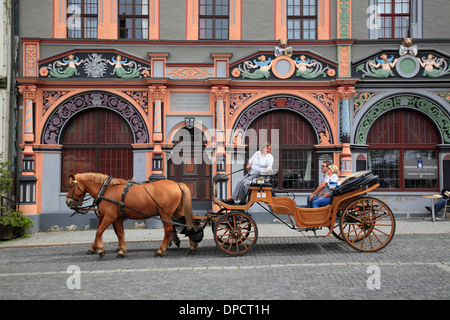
(260, 162)
(332, 184)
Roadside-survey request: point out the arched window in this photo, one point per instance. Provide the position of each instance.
(296, 169)
(402, 151)
(97, 140)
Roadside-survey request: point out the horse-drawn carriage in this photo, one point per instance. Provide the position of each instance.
(365, 223)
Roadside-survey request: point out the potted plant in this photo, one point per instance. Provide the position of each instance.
(13, 223)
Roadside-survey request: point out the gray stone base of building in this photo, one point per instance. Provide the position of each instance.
(55, 221)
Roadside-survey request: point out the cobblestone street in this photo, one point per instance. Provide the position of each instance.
(410, 267)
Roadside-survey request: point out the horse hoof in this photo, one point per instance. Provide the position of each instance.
(158, 254)
(178, 243)
(192, 252)
(101, 255)
(120, 255)
(90, 252)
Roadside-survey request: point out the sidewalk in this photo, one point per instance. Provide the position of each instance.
(265, 230)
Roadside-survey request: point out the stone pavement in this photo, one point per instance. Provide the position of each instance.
(265, 230)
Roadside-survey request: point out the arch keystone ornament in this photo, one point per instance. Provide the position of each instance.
(94, 99)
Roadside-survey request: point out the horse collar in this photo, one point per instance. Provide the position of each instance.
(102, 191)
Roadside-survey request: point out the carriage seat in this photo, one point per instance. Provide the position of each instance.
(357, 180)
(261, 181)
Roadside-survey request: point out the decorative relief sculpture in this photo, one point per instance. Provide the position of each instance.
(71, 62)
(305, 70)
(372, 67)
(94, 66)
(430, 62)
(404, 64)
(286, 68)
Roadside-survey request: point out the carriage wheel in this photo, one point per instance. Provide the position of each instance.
(236, 232)
(367, 224)
(337, 229)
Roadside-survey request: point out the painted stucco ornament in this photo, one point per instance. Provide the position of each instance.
(380, 67)
(430, 62)
(309, 68)
(71, 61)
(95, 66)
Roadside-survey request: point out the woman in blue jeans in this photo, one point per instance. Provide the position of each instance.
(332, 184)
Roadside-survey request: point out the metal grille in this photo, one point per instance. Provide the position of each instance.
(97, 141)
(296, 165)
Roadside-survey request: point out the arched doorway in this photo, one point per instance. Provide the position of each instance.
(191, 166)
(296, 158)
(403, 151)
(97, 140)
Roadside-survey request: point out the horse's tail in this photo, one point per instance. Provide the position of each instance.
(187, 205)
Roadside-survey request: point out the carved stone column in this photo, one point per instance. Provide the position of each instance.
(158, 94)
(220, 93)
(27, 179)
(345, 93)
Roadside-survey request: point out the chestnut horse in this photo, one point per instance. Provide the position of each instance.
(165, 198)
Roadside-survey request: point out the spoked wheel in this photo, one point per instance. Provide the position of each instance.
(367, 224)
(236, 232)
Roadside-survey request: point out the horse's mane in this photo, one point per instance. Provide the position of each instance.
(98, 178)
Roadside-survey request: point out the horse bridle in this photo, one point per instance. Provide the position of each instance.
(75, 184)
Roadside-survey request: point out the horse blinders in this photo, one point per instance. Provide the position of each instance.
(74, 200)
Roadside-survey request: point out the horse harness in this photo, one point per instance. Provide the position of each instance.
(123, 206)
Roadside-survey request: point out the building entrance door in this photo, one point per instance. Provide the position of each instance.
(190, 167)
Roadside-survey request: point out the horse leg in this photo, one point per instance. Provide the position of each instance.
(93, 249)
(174, 239)
(120, 233)
(193, 246)
(168, 229)
(98, 237)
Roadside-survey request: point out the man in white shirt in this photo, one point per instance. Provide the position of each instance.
(260, 162)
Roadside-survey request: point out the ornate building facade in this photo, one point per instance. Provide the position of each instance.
(185, 90)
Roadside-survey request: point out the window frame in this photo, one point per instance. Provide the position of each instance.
(394, 15)
(133, 16)
(301, 18)
(83, 16)
(214, 17)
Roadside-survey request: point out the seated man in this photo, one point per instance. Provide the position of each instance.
(332, 184)
(261, 162)
(320, 189)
